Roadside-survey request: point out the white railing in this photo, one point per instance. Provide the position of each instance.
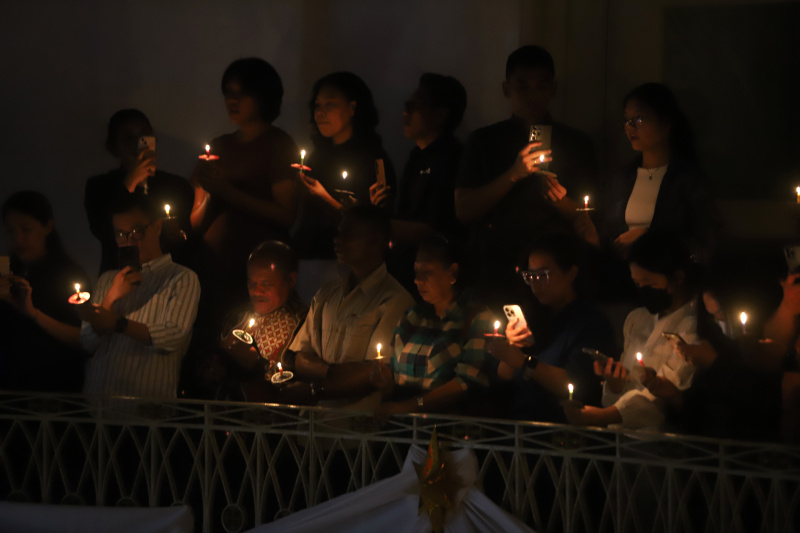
(238, 465)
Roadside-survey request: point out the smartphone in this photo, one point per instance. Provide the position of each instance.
(541, 133)
(598, 356)
(672, 336)
(147, 142)
(792, 254)
(380, 172)
(514, 311)
(129, 257)
(5, 265)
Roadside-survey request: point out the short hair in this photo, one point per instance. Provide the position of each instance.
(117, 120)
(136, 202)
(530, 56)
(567, 250)
(35, 205)
(260, 80)
(446, 251)
(661, 252)
(659, 99)
(275, 253)
(365, 118)
(447, 92)
(375, 217)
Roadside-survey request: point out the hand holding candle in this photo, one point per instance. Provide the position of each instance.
(301, 167)
(281, 375)
(79, 298)
(208, 156)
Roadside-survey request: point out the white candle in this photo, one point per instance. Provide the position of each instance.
(302, 158)
(280, 368)
(571, 388)
(78, 290)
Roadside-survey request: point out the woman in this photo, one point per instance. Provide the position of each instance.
(344, 118)
(249, 194)
(437, 355)
(137, 174)
(663, 189)
(42, 280)
(542, 370)
(662, 271)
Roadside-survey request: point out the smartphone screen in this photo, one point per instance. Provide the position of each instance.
(129, 257)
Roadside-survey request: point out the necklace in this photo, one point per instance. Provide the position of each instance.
(652, 172)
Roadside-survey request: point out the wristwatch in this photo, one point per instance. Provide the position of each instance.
(529, 366)
(121, 325)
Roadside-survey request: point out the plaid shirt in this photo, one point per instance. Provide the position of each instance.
(430, 351)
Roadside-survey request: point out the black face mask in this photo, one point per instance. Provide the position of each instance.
(655, 300)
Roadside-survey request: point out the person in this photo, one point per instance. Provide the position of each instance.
(34, 297)
(500, 191)
(664, 188)
(249, 194)
(663, 272)
(437, 357)
(542, 370)
(425, 201)
(139, 323)
(343, 122)
(231, 370)
(349, 317)
(137, 172)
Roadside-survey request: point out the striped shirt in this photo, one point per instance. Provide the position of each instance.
(430, 351)
(166, 302)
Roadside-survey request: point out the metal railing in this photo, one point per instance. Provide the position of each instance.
(238, 465)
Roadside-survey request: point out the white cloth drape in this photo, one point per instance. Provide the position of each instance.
(392, 505)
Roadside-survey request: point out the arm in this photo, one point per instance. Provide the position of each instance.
(281, 209)
(199, 208)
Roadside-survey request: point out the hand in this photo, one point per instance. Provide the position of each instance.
(143, 168)
(124, 283)
(518, 335)
(527, 161)
(553, 190)
(314, 186)
(22, 299)
(502, 350)
(381, 377)
(624, 241)
(613, 373)
(701, 355)
(379, 195)
(209, 177)
(385, 411)
(791, 294)
(660, 387)
(101, 319)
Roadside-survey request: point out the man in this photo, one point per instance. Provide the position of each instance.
(139, 323)
(500, 190)
(349, 317)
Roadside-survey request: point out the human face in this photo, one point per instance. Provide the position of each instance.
(356, 243)
(435, 280)
(126, 142)
(138, 231)
(333, 114)
(28, 236)
(241, 107)
(421, 119)
(551, 285)
(712, 306)
(269, 288)
(643, 128)
(530, 90)
(645, 278)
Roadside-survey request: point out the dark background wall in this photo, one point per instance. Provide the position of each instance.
(67, 66)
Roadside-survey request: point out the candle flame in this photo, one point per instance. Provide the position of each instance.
(302, 153)
(379, 348)
(586, 199)
(280, 368)
(344, 175)
(208, 148)
(639, 356)
(743, 318)
(496, 325)
(798, 190)
(78, 288)
(252, 322)
(167, 208)
(571, 388)
(541, 158)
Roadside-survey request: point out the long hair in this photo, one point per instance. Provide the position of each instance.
(365, 118)
(35, 205)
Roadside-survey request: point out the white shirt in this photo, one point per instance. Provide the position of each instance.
(642, 201)
(345, 327)
(166, 302)
(642, 333)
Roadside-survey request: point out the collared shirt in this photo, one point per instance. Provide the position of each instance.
(643, 334)
(166, 302)
(345, 327)
(429, 351)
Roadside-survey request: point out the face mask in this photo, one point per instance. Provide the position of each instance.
(655, 300)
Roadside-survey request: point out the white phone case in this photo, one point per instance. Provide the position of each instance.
(514, 311)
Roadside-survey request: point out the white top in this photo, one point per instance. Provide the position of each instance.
(344, 327)
(166, 302)
(642, 333)
(642, 202)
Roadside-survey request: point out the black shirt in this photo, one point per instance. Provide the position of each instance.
(103, 191)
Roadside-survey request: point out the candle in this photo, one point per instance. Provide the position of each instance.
(78, 290)
(302, 157)
(301, 167)
(743, 319)
(586, 202)
(208, 156)
(639, 358)
(496, 326)
(797, 190)
(79, 297)
(571, 388)
(167, 208)
(251, 323)
(280, 368)
(379, 351)
(344, 175)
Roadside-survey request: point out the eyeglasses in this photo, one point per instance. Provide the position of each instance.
(634, 122)
(535, 276)
(135, 234)
(415, 105)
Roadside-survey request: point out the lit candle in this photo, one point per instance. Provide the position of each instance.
(167, 208)
(344, 175)
(251, 323)
(208, 156)
(639, 358)
(798, 194)
(496, 326)
(743, 318)
(280, 368)
(586, 202)
(79, 297)
(78, 290)
(541, 158)
(379, 351)
(571, 388)
(302, 157)
(301, 167)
